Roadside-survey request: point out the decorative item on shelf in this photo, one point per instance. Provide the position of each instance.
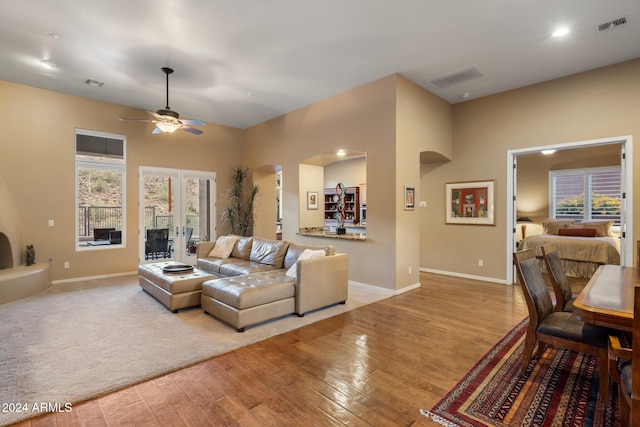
(340, 215)
(523, 220)
(31, 255)
(192, 246)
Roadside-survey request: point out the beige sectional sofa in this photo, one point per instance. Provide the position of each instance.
(253, 285)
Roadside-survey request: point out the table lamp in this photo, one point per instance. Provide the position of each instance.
(523, 220)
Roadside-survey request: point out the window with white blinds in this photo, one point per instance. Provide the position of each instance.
(586, 194)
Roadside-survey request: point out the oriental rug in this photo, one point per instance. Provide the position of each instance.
(559, 389)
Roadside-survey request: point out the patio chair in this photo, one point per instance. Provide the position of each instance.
(157, 244)
(187, 237)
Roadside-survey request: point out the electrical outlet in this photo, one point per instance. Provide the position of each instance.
(480, 263)
(410, 270)
(66, 264)
(51, 223)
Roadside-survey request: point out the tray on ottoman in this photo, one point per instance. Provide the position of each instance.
(175, 289)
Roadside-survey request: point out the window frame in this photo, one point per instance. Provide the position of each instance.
(97, 164)
(587, 173)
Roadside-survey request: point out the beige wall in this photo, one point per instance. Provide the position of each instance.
(393, 120)
(311, 179)
(361, 119)
(37, 165)
(424, 126)
(598, 104)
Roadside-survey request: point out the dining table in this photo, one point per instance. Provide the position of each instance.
(607, 299)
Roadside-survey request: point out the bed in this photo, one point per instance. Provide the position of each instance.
(581, 256)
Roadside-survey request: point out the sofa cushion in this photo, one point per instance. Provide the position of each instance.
(306, 254)
(242, 267)
(224, 246)
(269, 252)
(294, 251)
(244, 292)
(242, 248)
(213, 264)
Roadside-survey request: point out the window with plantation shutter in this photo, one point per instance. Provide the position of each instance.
(586, 194)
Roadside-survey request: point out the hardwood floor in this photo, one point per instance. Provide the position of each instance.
(376, 365)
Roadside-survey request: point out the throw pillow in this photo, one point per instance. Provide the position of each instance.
(223, 247)
(306, 254)
(581, 232)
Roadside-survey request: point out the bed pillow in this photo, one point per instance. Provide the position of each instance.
(580, 232)
(223, 247)
(306, 254)
(603, 228)
(551, 226)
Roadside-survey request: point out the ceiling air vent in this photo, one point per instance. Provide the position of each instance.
(611, 25)
(92, 82)
(457, 77)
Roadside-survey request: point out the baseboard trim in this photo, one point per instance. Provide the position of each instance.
(391, 292)
(466, 276)
(101, 276)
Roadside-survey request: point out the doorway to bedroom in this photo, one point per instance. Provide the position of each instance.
(530, 190)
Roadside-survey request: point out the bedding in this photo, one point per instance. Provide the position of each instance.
(581, 256)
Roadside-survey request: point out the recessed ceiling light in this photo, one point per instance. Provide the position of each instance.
(466, 95)
(548, 152)
(341, 153)
(563, 31)
(48, 63)
(53, 35)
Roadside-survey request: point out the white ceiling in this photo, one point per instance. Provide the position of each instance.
(242, 62)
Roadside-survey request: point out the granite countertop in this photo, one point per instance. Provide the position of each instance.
(319, 232)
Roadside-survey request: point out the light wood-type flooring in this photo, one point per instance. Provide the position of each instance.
(373, 366)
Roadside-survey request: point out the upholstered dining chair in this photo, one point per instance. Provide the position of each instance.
(556, 328)
(558, 278)
(624, 368)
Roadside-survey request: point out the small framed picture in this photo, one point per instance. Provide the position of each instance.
(312, 200)
(409, 198)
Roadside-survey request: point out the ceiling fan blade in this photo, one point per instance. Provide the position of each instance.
(192, 122)
(191, 130)
(138, 120)
(154, 114)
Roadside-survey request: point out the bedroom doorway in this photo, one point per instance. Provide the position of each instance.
(621, 148)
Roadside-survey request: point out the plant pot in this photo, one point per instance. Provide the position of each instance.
(341, 230)
(192, 249)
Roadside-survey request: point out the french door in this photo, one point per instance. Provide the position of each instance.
(177, 210)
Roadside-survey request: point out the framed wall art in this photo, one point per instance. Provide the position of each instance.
(409, 198)
(470, 203)
(312, 200)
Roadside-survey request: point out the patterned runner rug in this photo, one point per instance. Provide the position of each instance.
(560, 389)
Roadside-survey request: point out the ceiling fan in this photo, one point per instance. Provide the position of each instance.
(167, 120)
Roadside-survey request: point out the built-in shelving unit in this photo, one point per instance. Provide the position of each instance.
(352, 206)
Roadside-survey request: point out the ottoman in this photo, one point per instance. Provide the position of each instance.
(174, 290)
(249, 299)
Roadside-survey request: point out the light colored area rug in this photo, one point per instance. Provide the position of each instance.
(79, 340)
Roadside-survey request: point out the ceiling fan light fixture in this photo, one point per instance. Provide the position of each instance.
(168, 127)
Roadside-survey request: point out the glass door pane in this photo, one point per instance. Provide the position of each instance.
(159, 201)
(198, 212)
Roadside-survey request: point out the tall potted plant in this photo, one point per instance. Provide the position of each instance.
(238, 216)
